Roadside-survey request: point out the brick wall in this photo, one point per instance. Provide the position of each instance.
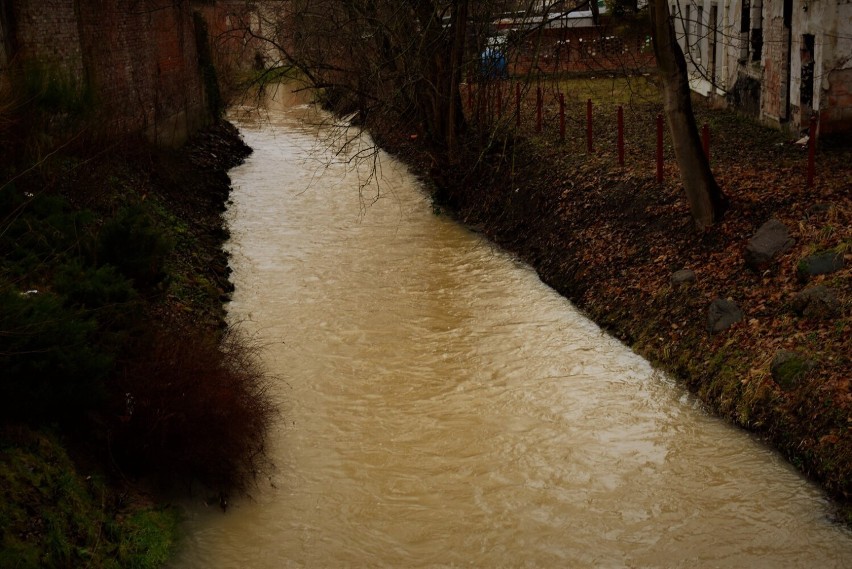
(582, 49)
(138, 60)
(234, 49)
(774, 61)
(142, 64)
(836, 76)
(837, 116)
(46, 35)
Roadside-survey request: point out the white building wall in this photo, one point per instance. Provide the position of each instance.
(715, 43)
(766, 77)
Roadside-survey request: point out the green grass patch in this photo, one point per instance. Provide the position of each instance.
(147, 539)
(609, 91)
(53, 515)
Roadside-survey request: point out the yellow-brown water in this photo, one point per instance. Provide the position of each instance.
(443, 408)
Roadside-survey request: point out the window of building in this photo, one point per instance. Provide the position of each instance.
(712, 38)
(756, 30)
(699, 31)
(687, 24)
(745, 26)
(806, 96)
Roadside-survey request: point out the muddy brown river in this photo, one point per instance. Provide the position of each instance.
(441, 407)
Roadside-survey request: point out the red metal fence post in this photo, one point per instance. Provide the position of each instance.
(812, 151)
(620, 136)
(470, 92)
(561, 117)
(538, 109)
(705, 140)
(518, 104)
(659, 149)
(589, 144)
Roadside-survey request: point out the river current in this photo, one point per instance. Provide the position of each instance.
(441, 407)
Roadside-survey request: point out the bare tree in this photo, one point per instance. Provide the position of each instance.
(377, 59)
(404, 61)
(706, 200)
(391, 61)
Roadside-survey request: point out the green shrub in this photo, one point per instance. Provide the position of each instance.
(93, 287)
(48, 512)
(39, 232)
(134, 244)
(51, 369)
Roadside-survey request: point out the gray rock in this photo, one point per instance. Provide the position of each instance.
(771, 240)
(788, 369)
(820, 264)
(816, 302)
(683, 276)
(722, 314)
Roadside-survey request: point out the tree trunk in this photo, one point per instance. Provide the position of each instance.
(596, 11)
(706, 200)
(455, 115)
(439, 99)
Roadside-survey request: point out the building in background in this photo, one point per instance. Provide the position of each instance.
(782, 61)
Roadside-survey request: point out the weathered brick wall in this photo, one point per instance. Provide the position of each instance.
(142, 64)
(836, 80)
(774, 61)
(235, 47)
(582, 49)
(830, 25)
(837, 116)
(138, 59)
(46, 35)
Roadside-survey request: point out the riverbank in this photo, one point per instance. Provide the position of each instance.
(122, 384)
(617, 243)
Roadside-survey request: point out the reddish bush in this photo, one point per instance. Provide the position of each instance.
(191, 407)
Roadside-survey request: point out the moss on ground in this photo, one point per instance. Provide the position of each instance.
(54, 515)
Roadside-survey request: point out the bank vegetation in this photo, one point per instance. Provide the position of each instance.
(121, 383)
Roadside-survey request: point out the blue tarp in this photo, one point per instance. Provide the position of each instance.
(493, 63)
